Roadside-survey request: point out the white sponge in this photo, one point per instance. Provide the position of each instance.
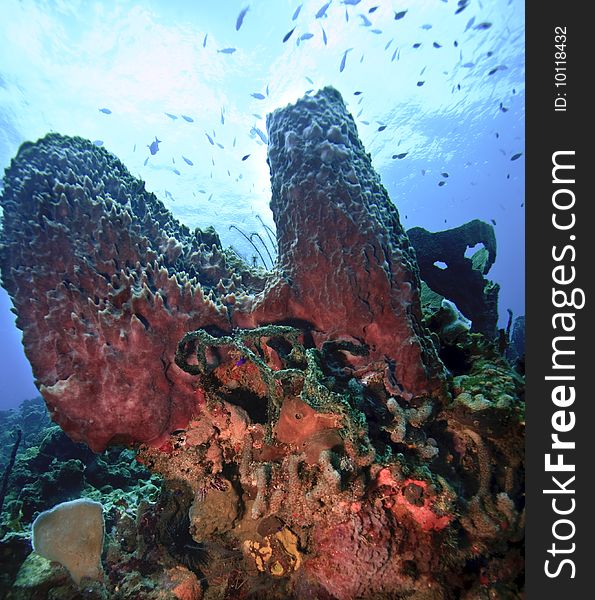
(72, 533)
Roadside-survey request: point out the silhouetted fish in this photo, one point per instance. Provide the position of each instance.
(210, 139)
(441, 183)
(373, 9)
(204, 42)
(146, 161)
(134, 149)
(245, 156)
(365, 21)
(376, 31)
(176, 171)
(468, 65)
(258, 95)
(382, 128)
(394, 55)
(187, 161)
(297, 12)
(469, 23)
(357, 93)
(351, 2)
(516, 156)
(222, 116)
(437, 45)
(227, 51)
(388, 44)
(420, 83)
(305, 36)
(189, 119)
(105, 111)
(288, 34)
(221, 146)
(98, 143)
(493, 221)
(322, 11)
(484, 25)
(343, 60)
(399, 15)
(240, 18)
(324, 38)
(172, 117)
(445, 174)
(400, 156)
(309, 80)
(260, 134)
(427, 26)
(154, 146)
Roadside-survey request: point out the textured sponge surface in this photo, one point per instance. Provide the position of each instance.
(72, 534)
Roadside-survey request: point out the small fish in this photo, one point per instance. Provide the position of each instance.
(305, 36)
(357, 93)
(483, 26)
(351, 2)
(98, 143)
(260, 134)
(209, 198)
(388, 44)
(437, 45)
(469, 23)
(493, 221)
(400, 156)
(222, 117)
(468, 65)
(189, 119)
(497, 135)
(172, 117)
(176, 171)
(456, 44)
(221, 146)
(210, 139)
(459, 86)
(359, 113)
(394, 54)
(400, 15)
(493, 71)
(461, 8)
(420, 83)
(134, 149)
(240, 18)
(423, 171)
(309, 80)
(441, 183)
(346, 16)
(234, 143)
(382, 128)
(366, 122)
(154, 146)
(245, 156)
(257, 116)
(322, 11)
(372, 10)
(146, 161)
(258, 95)
(297, 12)
(376, 31)
(288, 34)
(173, 160)
(445, 174)
(503, 108)
(204, 42)
(516, 156)
(489, 53)
(168, 195)
(226, 51)
(324, 38)
(417, 45)
(105, 111)
(267, 90)
(427, 26)
(365, 21)
(343, 60)
(188, 161)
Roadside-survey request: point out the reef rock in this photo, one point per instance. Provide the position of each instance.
(462, 280)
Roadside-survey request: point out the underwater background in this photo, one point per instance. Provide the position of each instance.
(436, 88)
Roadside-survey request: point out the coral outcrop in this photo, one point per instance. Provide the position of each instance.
(462, 279)
(312, 442)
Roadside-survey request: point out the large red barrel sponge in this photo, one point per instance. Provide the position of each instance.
(105, 283)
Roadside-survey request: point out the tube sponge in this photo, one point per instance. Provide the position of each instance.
(72, 534)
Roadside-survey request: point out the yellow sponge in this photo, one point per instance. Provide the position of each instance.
(72, 534)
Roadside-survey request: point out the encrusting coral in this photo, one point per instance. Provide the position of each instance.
(302, 418)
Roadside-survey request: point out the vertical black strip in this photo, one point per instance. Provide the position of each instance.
(558, 122)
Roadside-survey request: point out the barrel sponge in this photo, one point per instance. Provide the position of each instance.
(72, 533)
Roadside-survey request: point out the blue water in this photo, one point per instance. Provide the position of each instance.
(61, 61)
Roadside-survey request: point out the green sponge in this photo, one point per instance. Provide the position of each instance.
(72, 534)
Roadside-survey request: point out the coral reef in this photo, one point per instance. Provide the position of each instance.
(320, 436)
(462, 280)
